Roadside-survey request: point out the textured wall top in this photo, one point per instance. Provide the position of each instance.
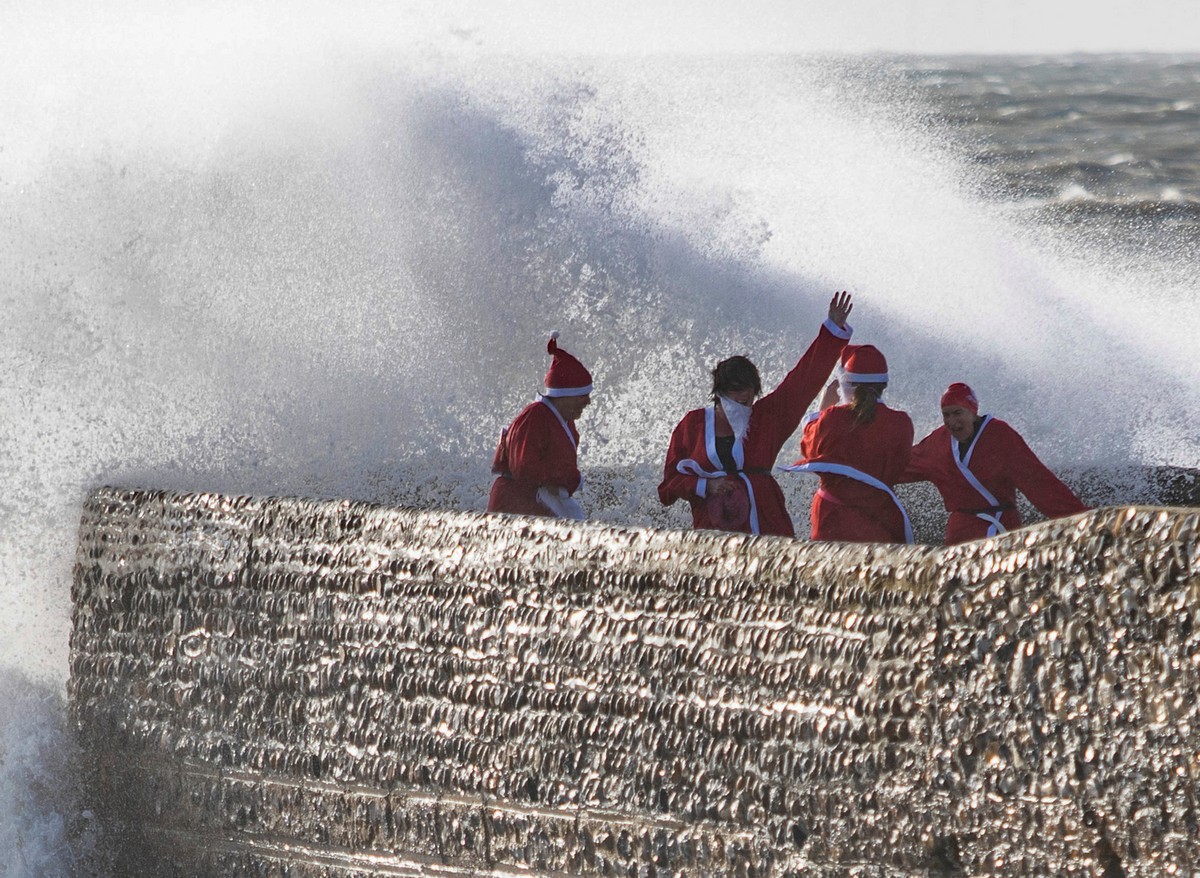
(357, 690)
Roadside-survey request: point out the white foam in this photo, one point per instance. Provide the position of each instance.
(1074, 192)
(325, 276)
(44, 828)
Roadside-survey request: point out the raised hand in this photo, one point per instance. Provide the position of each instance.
(840, 307)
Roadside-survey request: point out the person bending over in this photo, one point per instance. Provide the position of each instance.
(536, 459)
(978, 463)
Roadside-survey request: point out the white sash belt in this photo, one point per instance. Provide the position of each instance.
(841, 469)
(994, 525)
(691, 467)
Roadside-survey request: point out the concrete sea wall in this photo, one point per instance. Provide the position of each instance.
(288, 687)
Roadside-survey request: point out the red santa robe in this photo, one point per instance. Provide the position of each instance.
(538, 448)
(692, 455)
(847, 509)
(980, 487)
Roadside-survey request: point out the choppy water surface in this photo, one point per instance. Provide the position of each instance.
(1080, 139)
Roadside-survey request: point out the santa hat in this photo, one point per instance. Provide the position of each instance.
(863, 364)
(962, 396)
(566, 376)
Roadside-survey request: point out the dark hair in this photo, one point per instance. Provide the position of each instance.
(863, 402)
(735, 373)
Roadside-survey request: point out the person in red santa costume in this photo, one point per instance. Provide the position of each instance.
(860, 449)
(720, 458)
(978, 463)
(536, 466)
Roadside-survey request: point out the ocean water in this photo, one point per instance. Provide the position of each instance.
(333, 272)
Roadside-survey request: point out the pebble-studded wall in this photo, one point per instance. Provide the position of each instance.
(270, 687)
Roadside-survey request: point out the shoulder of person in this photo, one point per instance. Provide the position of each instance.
(836, 414)
(999, 426)
(898, 415)
(534, 411)
(691, 421)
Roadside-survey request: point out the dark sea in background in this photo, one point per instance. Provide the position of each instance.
(337, 282)
(1106, 145)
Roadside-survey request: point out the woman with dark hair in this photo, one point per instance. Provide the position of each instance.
(720, 458)
(860, 449)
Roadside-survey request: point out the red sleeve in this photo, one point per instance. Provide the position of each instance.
(1043, 488)
(786, 404)
(539, 453)
(899, 449)
(923, 464)
(675, 485)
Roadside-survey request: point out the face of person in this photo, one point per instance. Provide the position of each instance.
(571, 407)
(959, 421)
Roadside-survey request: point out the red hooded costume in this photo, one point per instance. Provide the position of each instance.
(859, 463)
(979, 484)
(692, 457)
(539, 448)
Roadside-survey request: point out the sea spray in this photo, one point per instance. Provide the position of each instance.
(45, 829)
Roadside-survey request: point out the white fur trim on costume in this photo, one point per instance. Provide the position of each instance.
(691, 467)
(837, 330)
(562, 422)
(739, 457)
(995, 526)
(566, 391)
(867, 377)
